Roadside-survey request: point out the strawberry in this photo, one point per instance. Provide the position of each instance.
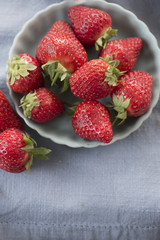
(42, 105)
(126, 51)
(60, 53)
(94, 80)
(91, 26)
(91, 121)
(17, 151)
(8, 118)
(132, 96)
(24, 73)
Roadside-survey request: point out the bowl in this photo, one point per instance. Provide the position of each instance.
(59, 130)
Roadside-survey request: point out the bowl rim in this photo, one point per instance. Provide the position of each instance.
(156, 50)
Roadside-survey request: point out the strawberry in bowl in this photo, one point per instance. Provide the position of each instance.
(126, 51)
(132, 96)
(91, 121)
(42, 105)
(91, 26)
(95, 79)
(60, 53)
(24, 73)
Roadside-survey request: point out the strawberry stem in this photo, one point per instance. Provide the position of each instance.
(102, 40)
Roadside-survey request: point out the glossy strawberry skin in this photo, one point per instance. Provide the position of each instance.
(89, 23)
(91, 121)
(8, 118)
(61, 44)
(31, 82)
(125, 50)
(136, 86)
(88, 81)
(12, 157)
(50, 106)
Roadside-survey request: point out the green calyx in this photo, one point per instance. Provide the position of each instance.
(56, 71)
(17, 68)
(113, 73)
(39, 153)
(102, 41)
(28, 102)
(71, 108)
(120, 105)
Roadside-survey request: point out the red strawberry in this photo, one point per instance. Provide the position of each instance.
(24, 73)
(94, 80)
(126, 51)
(60, 52)
(91, 121)
(17, 151)
(132, 96)
(91, 25)
(8, 118)
(42, 105)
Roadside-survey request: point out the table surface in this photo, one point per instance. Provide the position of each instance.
(108, 192)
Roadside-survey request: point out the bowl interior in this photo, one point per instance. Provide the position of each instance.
(60, 129)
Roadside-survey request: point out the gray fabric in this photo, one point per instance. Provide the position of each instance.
(105, 193)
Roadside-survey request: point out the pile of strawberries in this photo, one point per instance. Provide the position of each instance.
(62, 59)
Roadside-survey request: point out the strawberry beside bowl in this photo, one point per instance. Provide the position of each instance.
(60, 130)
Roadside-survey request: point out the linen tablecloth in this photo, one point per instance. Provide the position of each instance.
(104, 193)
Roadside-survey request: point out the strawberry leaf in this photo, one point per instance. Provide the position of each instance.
(41, 157)
(120, 105)
(28, 102)
(29, 164)
(28, 148)
(56, 72)
(17, 67)
(39, 153)
(112, 75)
(102, 40)
(65, 80)
(31, 67)
(112, 62)
(27, 140)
